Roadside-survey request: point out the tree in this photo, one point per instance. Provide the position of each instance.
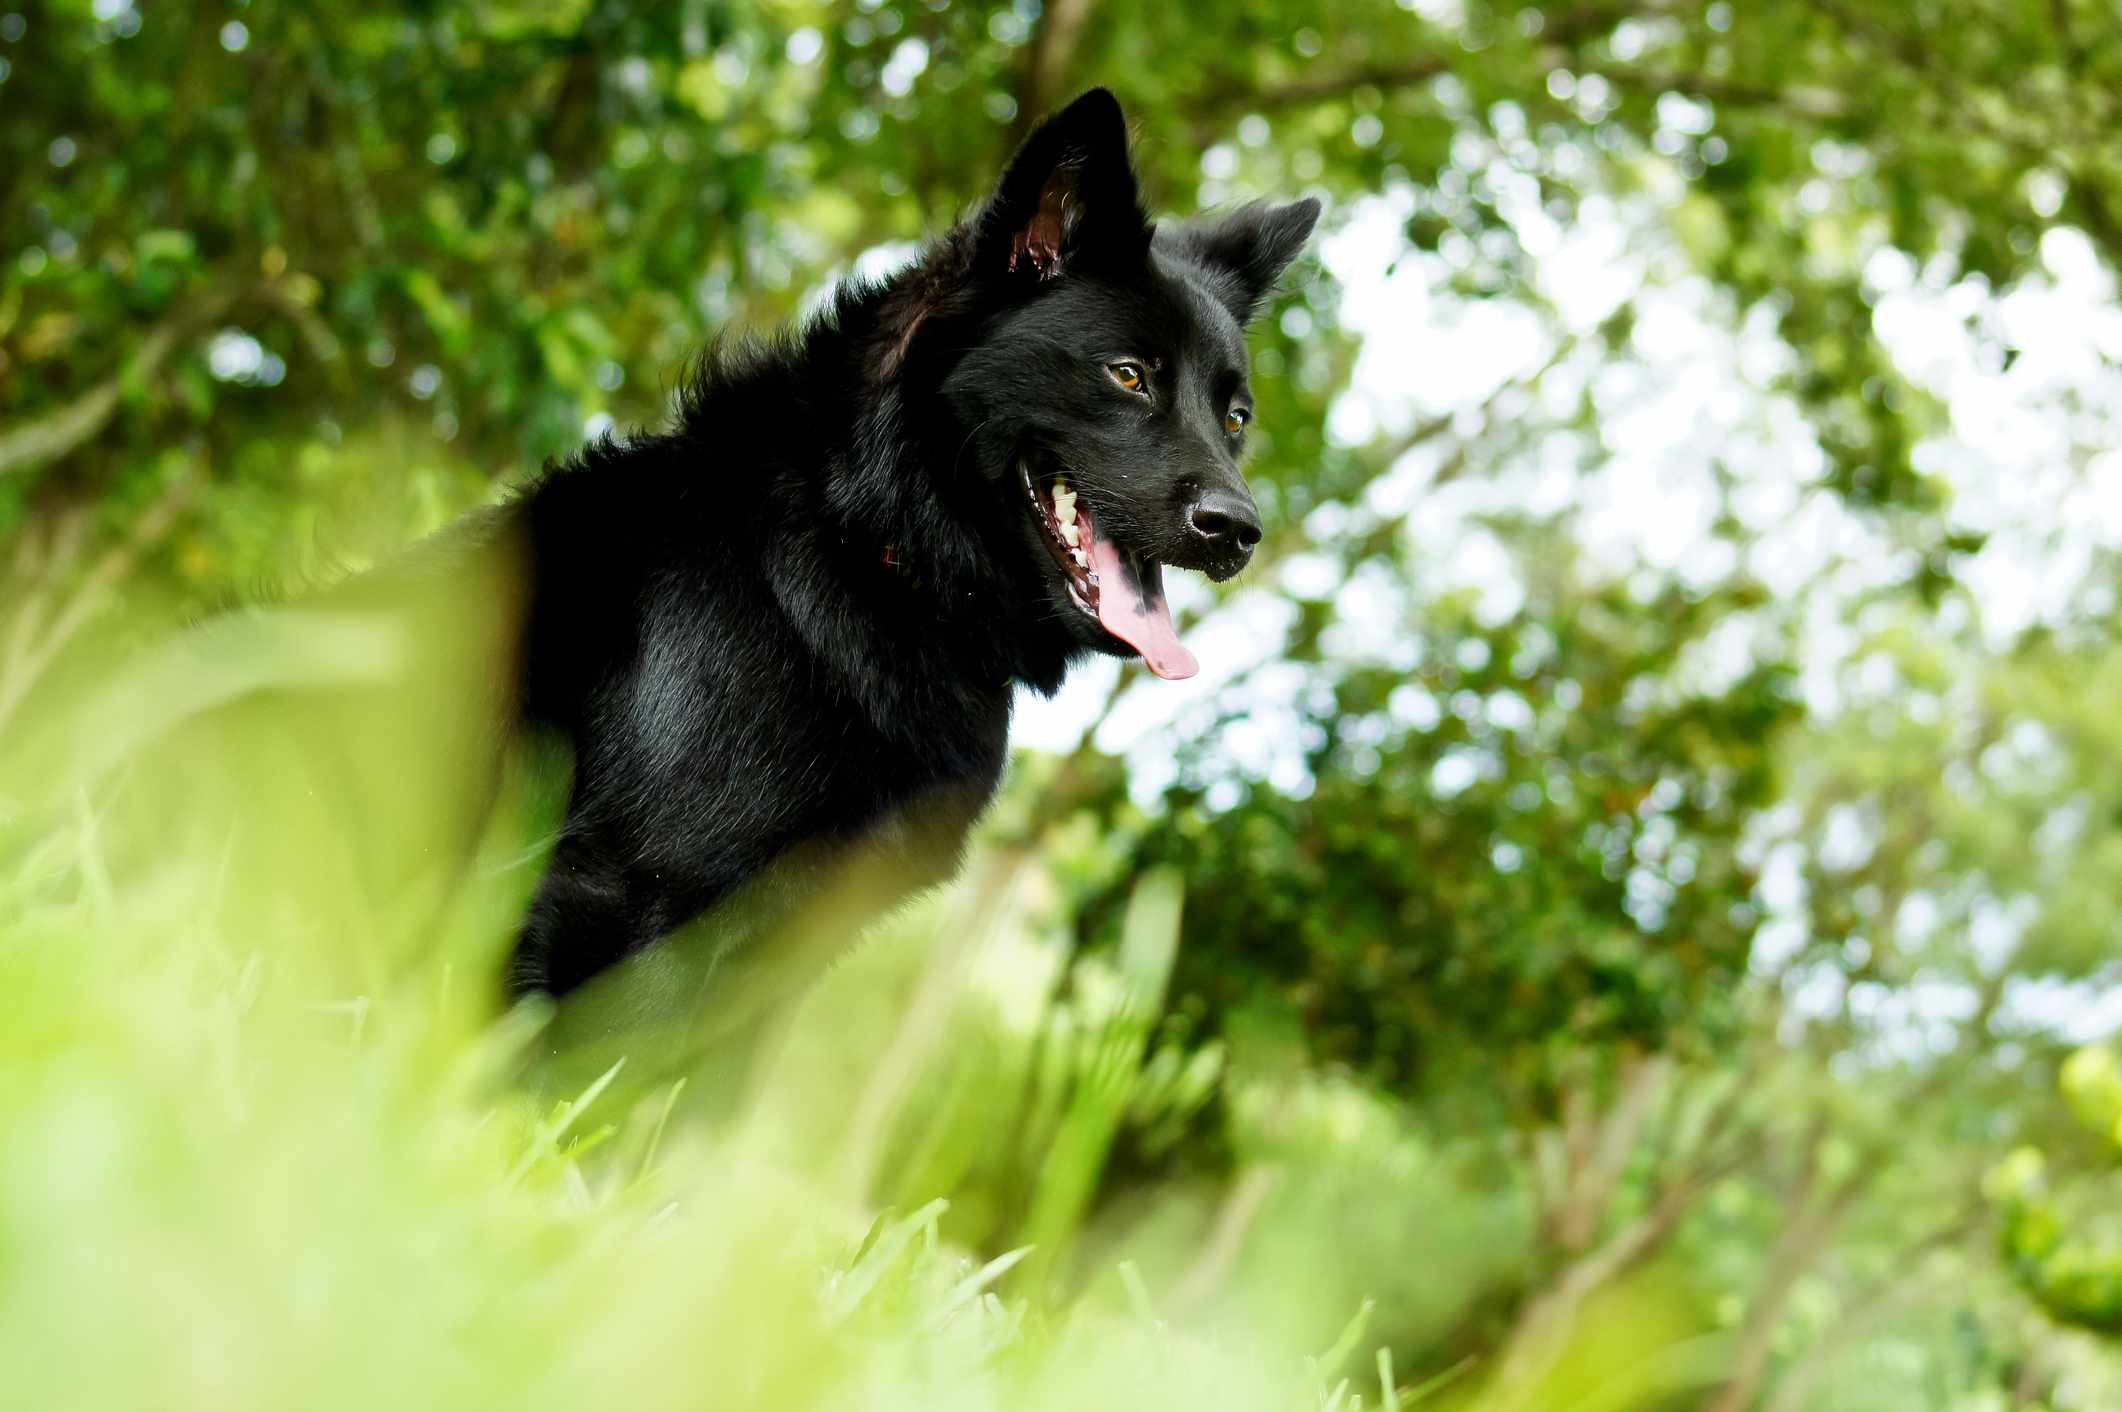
(1729, 885)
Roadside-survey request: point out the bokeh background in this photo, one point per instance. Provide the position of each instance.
(1630, 915)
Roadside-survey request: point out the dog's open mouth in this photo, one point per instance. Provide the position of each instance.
(1123, 591)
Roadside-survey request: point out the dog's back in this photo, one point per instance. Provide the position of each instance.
(750, 718)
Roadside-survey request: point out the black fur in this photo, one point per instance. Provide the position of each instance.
(789, 626)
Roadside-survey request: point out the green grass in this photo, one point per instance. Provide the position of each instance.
(266, 1141)
(215, 1192)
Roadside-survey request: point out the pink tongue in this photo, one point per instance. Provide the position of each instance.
(1137, 616)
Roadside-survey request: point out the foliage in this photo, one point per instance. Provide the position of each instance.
(1648, 842)
(2063, 1243)
(1523, 842)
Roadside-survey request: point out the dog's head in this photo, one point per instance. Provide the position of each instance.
(1104, 391)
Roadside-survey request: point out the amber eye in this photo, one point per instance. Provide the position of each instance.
(1128, 375)
(1235, 419)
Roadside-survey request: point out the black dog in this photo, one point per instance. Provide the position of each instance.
(782, 636)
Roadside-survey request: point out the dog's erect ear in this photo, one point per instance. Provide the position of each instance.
(1068, 200)
(1247, 250)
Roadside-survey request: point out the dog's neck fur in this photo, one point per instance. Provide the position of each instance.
(952, 607)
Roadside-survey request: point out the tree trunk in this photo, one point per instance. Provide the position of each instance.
(1815, 1218)
(1867, 1308)
(1046, 66)
(1543, 1325)
(1579, 1169)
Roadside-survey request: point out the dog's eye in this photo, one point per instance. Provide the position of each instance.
(1128, 375)
(1235, 419)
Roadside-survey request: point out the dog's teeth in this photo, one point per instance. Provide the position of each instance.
(1082, 559)
(1071, 532)
(1065, 511)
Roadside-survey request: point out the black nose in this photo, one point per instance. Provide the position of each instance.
(1228, 521)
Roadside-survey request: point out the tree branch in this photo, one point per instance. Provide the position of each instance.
(1317, 88)
(1543, 1325)
(1867, 1307)
(60, 432)
(1812, 104)
(1226, 1238)
(29, 655)
(56, 433)
(1585, 22)
(1608, 1157)
(1046, 61)
(1803, 1241)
